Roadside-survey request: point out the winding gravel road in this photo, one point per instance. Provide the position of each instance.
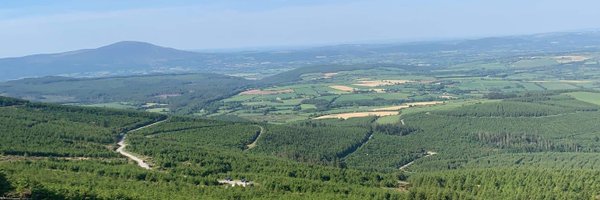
(122, 146)
(253, 144)
(429, 153)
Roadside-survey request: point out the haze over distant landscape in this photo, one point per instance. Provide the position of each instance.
(282, 99)
(31, 27)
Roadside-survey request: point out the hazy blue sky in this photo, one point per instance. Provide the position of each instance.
(43, 26)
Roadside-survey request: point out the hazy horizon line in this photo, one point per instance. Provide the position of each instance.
(320, 45)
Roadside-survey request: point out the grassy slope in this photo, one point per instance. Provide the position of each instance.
(587, 97)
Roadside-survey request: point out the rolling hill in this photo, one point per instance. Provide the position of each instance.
(128, 57)
(121, 56)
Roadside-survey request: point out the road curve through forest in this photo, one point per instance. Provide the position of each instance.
(122, 146)
(360, 145)
(253, 144)
(429, 153)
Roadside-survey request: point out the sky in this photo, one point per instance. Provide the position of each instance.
(46, 26)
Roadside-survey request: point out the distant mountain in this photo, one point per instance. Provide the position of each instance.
(126, 58)
(126, 55)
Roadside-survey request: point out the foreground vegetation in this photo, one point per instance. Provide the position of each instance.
(188, 155)
(513, 127)
(479, 152)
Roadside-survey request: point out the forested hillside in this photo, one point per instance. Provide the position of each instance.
(36, 129)
(479, 119)
(183, 93)
(482, 150)
(45, 146)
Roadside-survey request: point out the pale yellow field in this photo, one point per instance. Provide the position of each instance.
(381, 83)
(380, 112)
(400, 107)
(570, 59)
(425, 103)
(357, 114)
(408, 105)
(379, 90)
(342, 88)
(329, 75)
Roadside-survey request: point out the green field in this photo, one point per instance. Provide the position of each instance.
(513, 123)
(587, 97)
(388, 120)
(117, 105)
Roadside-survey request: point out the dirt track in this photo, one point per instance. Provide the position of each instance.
(122, 146)
(429, 153)
(253, 144)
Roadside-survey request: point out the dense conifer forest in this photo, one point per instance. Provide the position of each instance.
(495, 118)
(479, 151)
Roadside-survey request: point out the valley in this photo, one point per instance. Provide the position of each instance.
(489, 123)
